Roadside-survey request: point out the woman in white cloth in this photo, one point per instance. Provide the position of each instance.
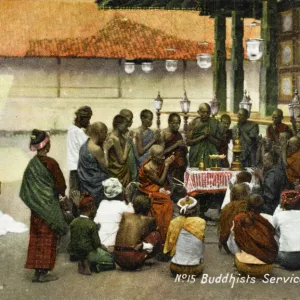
(287, 223)
(185, 239)
(109, 213)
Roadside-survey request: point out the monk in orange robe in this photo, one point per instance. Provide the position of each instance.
(274, 130)
(293, 160)
(238, 203)
(152, 178)
(254, 234)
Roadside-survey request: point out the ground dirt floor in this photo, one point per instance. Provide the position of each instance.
(219, 281)
(153, 282)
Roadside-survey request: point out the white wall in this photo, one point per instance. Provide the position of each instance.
(45, 92)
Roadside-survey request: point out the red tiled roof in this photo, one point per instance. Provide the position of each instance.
(122, 38)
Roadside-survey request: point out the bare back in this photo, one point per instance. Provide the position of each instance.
(133, 228)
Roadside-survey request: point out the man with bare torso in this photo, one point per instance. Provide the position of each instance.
(137, 238)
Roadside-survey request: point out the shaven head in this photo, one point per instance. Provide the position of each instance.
(157, 154)
(293, 145)
(255, 203)
(128, 115)
(204, 106)
(156, 150)
(226, 121)
(146, 112)
(225, 117)
(239, 192)
(204, 112)
(295, 141)
(278, 112)
(98, 132)
(174, 122)
(277, 116)
(242, 115)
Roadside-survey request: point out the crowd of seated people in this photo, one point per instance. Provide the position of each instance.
(132, 204)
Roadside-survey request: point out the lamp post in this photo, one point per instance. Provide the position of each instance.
(185, 104)
(214, 106)
(294, 106)
(294, 109)
(246, 103)
(158, 102)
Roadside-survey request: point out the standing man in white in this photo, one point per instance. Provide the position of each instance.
(75, 138)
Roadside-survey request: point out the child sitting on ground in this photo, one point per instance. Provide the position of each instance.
(85, 242)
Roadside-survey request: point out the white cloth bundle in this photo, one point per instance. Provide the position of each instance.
(8, 224)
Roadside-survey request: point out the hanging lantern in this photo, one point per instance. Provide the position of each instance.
(147, 67)
(204, 60)
(214, 105)
(158, 102)
(185, 104)
(129, 67)
(246, 103)
(255, 49)
(171, 65)
(294, 106)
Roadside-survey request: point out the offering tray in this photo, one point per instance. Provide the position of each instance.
(216, 168)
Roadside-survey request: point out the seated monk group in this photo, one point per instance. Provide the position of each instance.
(137, 231)
(161, 156)
(247, 233)
(254, 237)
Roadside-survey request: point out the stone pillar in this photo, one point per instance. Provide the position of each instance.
(220, 61)
(237, 61)
(268, 73)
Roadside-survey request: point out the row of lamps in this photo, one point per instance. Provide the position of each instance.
(185, 104)
(203, 61)
(254, 49)
(246, 103)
